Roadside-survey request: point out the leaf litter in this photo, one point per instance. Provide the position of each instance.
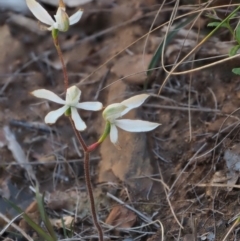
(188, 167)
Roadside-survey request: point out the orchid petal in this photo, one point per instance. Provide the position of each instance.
(134, 102)
(79, 123)
(75, 17)
(52, 116)
(48, 95)
(113, 111)
(73, 95)
(113, 134)
(62, 20)
(90, 105)
(136, 125)
(39, 12)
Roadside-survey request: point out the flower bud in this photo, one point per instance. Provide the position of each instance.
(62, 20)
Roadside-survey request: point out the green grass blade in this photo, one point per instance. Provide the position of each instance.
(64, 228)
(157, 56)
(215, 24)
(234, 50)
(44, 216)
(30, 222)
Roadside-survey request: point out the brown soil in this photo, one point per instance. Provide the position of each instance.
(178, 174)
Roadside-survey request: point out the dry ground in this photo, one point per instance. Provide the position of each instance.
(184, 174)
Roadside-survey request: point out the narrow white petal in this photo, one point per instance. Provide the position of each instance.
(113, 134)
(39, 12)
(58, 15)
(136, 125)
(52, 116)
(134, 102)
(79, 123)
(113, 111)
(48, 95)
(75, 17)
(90, 105)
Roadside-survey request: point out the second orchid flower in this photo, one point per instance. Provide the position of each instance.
(113, 112)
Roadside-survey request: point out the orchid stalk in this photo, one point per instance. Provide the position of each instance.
(112, 113)
(70, 105)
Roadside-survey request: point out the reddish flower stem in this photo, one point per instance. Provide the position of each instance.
(85, 149)
(60, 55)
(88, 180)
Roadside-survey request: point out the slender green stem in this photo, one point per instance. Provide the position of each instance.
(106, 132)
(195, 48)
(217, 27)
(231, 30)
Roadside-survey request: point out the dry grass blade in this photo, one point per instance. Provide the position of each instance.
(156, 57)
(169, 73)
(145, 44)
(11, 223)
(231, 229)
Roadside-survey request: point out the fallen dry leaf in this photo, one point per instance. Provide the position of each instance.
(32, 207)
(217, 178)
(73, 200)
(3, 141)
(18, 152)
(121, 217)
(232, 158)
(58, 223)
(33, 212)
(4, 190)
(217, 125)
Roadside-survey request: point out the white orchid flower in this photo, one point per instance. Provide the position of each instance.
(62, 21)
(117, 110)
(70, 105)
